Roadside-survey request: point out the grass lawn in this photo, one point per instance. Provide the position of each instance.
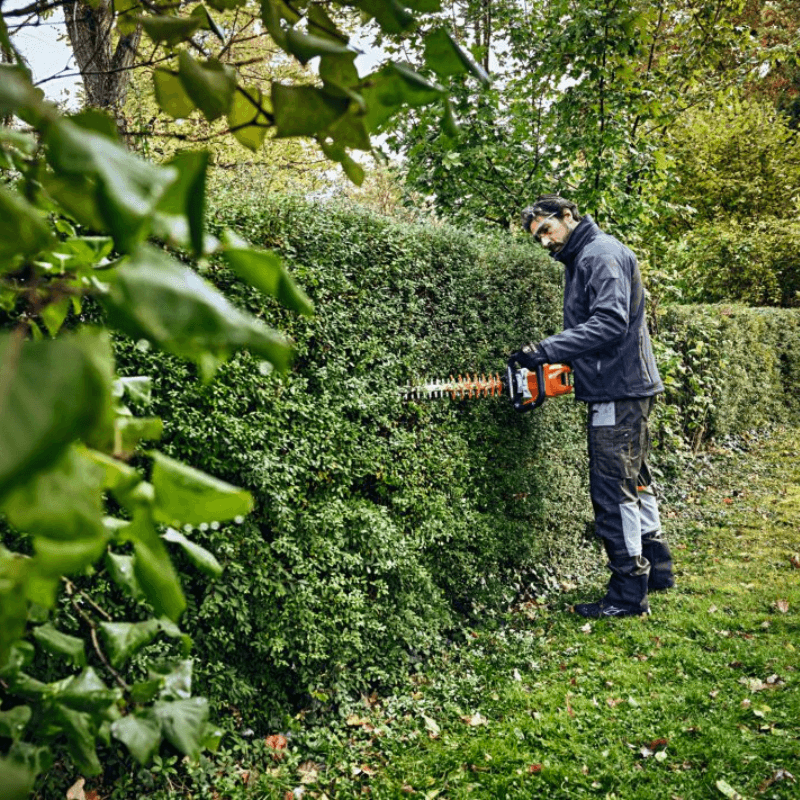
(699, 700)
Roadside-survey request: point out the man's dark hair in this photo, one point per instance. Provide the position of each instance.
(547, 205)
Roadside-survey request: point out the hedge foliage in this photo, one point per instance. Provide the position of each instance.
(727, 369)
(381, 524)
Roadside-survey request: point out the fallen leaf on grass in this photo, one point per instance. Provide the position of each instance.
(782, 606)
(308, 772)
(473, 720)
(795, 561)
(778, 775)
(535, 769)
(75, 792)
(729, 791)
(587, 628)
(612, 702)
(432, 727)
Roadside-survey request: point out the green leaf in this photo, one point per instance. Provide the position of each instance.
(185, 495)
(92, 119)
(153, 568)
(130, 431)
(265, 271)
(121, 569)
(170, 30)
(140, 733)
(62, 502)
(18, 96)
(389, 14)
(339, 72)
(174, 679)
(52, 393)
(445, 57)
(123, 639)
(54, 314)
(86, 692)
(352, 168)
(171, 96)
(210, 84)
(321, 25)
(304, 47)
(54, 641)
(23, 230)
(183, 723)
(247, 120)
(199, 556)
(14, 570)
(13, 722)
(388, 90)
(226, 5)
(15, 778)
(56, 558)
(186, 196)
(151, 296)
(305, 110)
(80, 738)
(138, 388)
(128, 187)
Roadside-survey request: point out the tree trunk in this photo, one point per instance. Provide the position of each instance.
(105, 69)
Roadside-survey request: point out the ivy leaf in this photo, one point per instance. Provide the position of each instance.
(174, 679)
(183, 723)
(123, 639)
(152, 296)
(54, 641)
(265, 271)
(140, 733)
(171, 96)
(80, 738)
(86, 692)
(385, 92)
(210, 84)
(185, 495)
(199, 556)
(321, 25)
(139, 388)
(391, 15)
(121, 569)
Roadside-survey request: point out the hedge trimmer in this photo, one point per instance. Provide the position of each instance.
(527, 389)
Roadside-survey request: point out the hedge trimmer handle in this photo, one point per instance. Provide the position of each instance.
(526, 388)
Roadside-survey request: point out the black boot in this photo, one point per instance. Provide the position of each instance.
(656, 550)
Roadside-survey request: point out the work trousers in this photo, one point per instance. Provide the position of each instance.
(625, 508)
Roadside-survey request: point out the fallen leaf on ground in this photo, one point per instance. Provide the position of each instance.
(308, 772)
(431, 726)
(75, 792)
(782, 606)
(778, 775)
(728, 790)
(535, 769)
(587, 628)
(475, 719)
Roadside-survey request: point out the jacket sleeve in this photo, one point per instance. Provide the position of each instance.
(608, 292)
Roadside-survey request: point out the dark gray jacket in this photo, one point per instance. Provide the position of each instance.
(605, 337)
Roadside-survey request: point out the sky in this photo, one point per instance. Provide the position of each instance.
(45, 49)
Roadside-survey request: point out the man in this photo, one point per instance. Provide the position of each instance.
(606, 342)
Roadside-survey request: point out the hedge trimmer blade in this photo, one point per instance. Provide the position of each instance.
(456, 388)
(527, 389)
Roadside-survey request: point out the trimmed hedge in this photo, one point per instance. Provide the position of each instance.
(727, 369)
(382, 524)
(379, 523)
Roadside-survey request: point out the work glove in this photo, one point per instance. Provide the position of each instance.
(530, 356)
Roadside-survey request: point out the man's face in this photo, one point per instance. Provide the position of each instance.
(551, 232)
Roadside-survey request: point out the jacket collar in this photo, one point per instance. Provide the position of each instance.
(586, 231)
